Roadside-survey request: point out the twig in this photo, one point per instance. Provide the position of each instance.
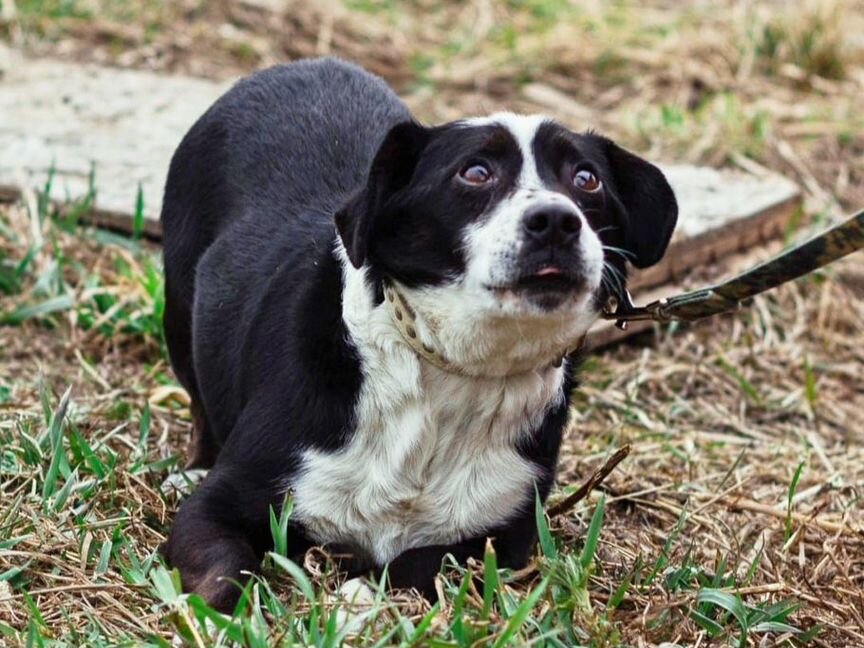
(595, 480)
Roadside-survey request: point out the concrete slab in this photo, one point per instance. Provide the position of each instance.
(128, 122)
(124, 123)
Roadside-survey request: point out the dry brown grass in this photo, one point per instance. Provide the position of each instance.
(719, 414)
(725, 451)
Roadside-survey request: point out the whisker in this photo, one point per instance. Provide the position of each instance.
(627, 254)
(604, 281)
(617, 273)
(619, 250)
(604, 229)
(613, 276)
(606, 288)
(619, 277)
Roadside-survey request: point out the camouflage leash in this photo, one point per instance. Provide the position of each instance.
(832, 244)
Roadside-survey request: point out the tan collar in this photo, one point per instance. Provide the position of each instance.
(405, 319)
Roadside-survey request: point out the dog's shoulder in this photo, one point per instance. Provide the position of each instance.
(270, 343)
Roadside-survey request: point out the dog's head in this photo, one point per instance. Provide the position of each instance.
(509, 232)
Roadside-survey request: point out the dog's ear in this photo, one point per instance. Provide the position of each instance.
(391, 171)
(646, 202)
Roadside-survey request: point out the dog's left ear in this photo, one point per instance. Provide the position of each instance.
(391, 171)
(647, 205)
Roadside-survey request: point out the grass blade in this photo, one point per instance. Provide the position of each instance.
(793, 486)
(593, 535)
(138, 217)
(520, 614)
(55, 436)
(732, 603)
(544, 537)
(490, 579)
(296, 572)
(53, 305)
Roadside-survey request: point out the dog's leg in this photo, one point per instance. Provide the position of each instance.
(220, 533)
(202, 449)
(416, 568)
(210, 553)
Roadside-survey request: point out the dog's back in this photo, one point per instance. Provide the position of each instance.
(301, 136)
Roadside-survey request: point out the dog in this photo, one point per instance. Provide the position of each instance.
(383, 319)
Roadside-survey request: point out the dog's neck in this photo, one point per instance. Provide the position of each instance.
(422, 335)
(406, 322)
(452, 338)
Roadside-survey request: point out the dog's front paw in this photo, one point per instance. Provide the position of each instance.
(214, 561)
(355, 600)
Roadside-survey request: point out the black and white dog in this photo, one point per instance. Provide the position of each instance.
(379, 317)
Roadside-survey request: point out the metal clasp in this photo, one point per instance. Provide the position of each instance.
(626, 311)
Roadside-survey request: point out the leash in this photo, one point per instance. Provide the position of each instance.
(834, 243)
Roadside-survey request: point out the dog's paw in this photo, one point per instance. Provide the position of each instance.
(355, 601)
(180, 484)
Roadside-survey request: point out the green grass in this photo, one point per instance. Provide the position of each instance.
(813, 40)
(71, 478)
(43, 14)
(71, 475)
(50, 284)
(54, 8)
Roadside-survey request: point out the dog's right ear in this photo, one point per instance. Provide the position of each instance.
(391, 171)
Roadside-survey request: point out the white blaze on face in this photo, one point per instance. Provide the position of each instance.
(492, 246)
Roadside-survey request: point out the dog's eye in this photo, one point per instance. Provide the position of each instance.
(475, 173)
(586, 181)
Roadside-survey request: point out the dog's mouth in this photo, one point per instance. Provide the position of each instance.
(549, 279)
(548, 287)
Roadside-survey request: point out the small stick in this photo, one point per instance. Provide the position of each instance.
(595, 480)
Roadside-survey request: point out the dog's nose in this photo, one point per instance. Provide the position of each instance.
(550, 224)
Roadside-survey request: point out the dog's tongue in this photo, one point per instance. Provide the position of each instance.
(548, 271)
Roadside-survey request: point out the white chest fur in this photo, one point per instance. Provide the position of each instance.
(432, 460)
(433, 456)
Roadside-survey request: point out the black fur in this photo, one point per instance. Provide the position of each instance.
(256, 193)
(411, 230)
